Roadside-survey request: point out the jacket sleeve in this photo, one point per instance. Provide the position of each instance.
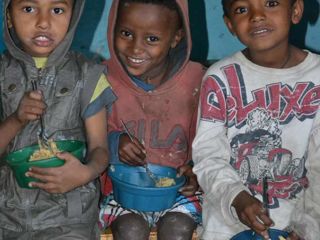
(211, 156)
(306, 218)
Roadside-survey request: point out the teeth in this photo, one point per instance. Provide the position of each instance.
(135, 60)
(42, 38)
(260, 31)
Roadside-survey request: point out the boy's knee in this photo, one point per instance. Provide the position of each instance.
(175, 225)
(130, 226)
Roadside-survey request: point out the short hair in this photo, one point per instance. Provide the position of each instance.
(226, 2)
(224, 7)
(170, 4)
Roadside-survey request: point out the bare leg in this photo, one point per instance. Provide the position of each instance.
(130, 226)
(175, 226)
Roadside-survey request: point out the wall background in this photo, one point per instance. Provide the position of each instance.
(211, 39)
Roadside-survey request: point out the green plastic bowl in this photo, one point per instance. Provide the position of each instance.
(20, 164)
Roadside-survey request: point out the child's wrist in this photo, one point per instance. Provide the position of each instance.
(14, 118)
(92, 172)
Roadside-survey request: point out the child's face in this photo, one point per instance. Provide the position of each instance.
(263, 24)
(40, 24)
(144, 34)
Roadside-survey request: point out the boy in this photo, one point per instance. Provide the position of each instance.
(157, 89)
(258, 111)
(71, 98)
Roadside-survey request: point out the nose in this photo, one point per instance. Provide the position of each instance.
(43, 21)
(257, 15)
(137, 46)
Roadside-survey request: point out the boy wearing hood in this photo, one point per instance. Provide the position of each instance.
(157, 88)
(72, 97)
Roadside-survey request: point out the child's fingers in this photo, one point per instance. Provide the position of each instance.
(129, 158)
(138, 151)
(39, 172)
(184, 170)
(30, 107)
(294, 236)
(46, 186)
(37, 95)
(123, 156)
(33, 110)
(140, 146)
(43, 174)
(257, 218)
(265, 219)
(132, 153)
(66, 156)
(188, 190)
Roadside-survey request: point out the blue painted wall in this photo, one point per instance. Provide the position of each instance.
(211, 39)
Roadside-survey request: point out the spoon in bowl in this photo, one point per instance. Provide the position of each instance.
(148, 171)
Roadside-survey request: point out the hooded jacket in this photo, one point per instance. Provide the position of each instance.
(67, 82)
(164, 118)
(59, 82)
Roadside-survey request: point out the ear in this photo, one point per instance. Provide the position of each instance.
(229, 25)
(9, 21)
(297, 11)
(177, 37)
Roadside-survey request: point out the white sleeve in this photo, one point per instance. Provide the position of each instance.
(211, 156)
(305, 219)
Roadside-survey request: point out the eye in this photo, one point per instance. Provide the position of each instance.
(126, 34)
(58, 11)
(272, 3)
(28, 9)
(152, 39)
(240, 10)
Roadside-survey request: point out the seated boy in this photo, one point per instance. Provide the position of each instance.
(259, 109)
(157, 89)
(40, 77)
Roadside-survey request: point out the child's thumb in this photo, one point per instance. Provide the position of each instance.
(64, 156)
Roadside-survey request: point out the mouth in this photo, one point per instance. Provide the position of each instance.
(135, 61)
(42, 40)
(257, 32)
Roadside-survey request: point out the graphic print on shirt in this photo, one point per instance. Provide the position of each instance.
(257, 151)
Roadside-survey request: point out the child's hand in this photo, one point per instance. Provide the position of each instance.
(60, 179)
(131, 152)
(251, 213)
(294, 236)
(192, 185)
(30, 107)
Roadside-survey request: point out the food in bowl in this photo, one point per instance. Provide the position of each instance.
(134, 189)
(19, 160)
(165, 182)
(45, 152)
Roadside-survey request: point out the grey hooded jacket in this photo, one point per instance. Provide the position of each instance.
(62, 81)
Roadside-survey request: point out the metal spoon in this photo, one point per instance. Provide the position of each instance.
(148, 171)
(265, 199)
(42, 137)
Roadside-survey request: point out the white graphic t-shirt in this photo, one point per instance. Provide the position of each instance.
(256, 122)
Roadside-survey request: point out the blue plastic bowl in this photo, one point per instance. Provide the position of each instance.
(250, 235)
(134, 189)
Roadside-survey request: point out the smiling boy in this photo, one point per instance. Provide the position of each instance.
(259, 119)
(157, 88)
